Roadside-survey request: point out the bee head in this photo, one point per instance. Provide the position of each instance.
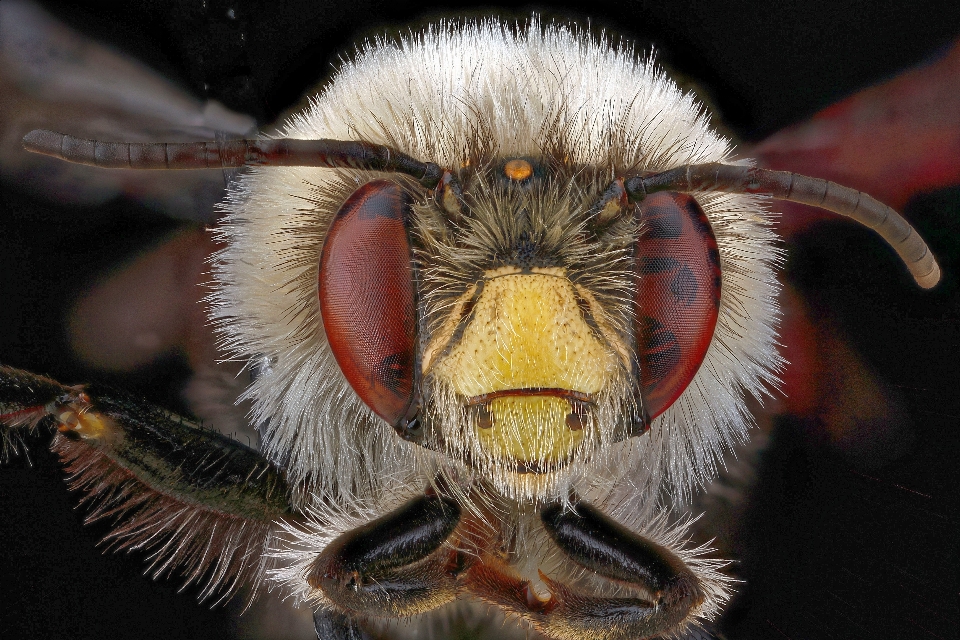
(484, 274)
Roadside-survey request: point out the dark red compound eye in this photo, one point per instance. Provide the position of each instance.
(678, 295)
(367, 297)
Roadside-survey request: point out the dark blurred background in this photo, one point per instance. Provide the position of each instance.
(835, 542)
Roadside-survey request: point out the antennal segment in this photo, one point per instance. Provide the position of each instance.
(794, 187)
(231, 153)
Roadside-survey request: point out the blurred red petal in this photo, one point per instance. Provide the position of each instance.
(146, 308)
(892, 140)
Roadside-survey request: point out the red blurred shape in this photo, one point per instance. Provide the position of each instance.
(892, 140)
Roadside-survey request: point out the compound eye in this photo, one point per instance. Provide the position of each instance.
(678, 295)
(367, 297)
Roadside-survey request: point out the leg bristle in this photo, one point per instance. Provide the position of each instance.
(215, 550)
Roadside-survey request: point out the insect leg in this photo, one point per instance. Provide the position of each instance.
(596, 542)
(395, 566)
(669, 590)
(200, 500)
(26, 403)
(333, 625)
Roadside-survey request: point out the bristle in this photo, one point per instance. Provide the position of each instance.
(13, 425)
(216, 551)
(25, 403)
(297, 544)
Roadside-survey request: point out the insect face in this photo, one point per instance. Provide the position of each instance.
(554, 324)
(525, 315)
(530, 374)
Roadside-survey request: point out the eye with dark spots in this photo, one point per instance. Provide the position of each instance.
(393, 372)
(684, 286)
(661, 354)
(658, 264)
(678, 295)
(367, 299)
(663, 221)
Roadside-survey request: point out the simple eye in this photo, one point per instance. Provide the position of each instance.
(367, 298)
(678, 295)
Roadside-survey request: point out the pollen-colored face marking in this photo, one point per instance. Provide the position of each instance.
(527, 332)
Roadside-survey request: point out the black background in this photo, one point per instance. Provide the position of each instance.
(829, 550)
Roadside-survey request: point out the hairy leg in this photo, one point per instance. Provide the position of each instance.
(203, 502)
(395, 566)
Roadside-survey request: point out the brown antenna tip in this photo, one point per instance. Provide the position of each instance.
(43, 141)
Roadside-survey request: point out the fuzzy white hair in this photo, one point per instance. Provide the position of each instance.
(436, 95)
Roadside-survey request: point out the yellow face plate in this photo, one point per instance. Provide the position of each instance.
(527, 332)
(530, 430)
